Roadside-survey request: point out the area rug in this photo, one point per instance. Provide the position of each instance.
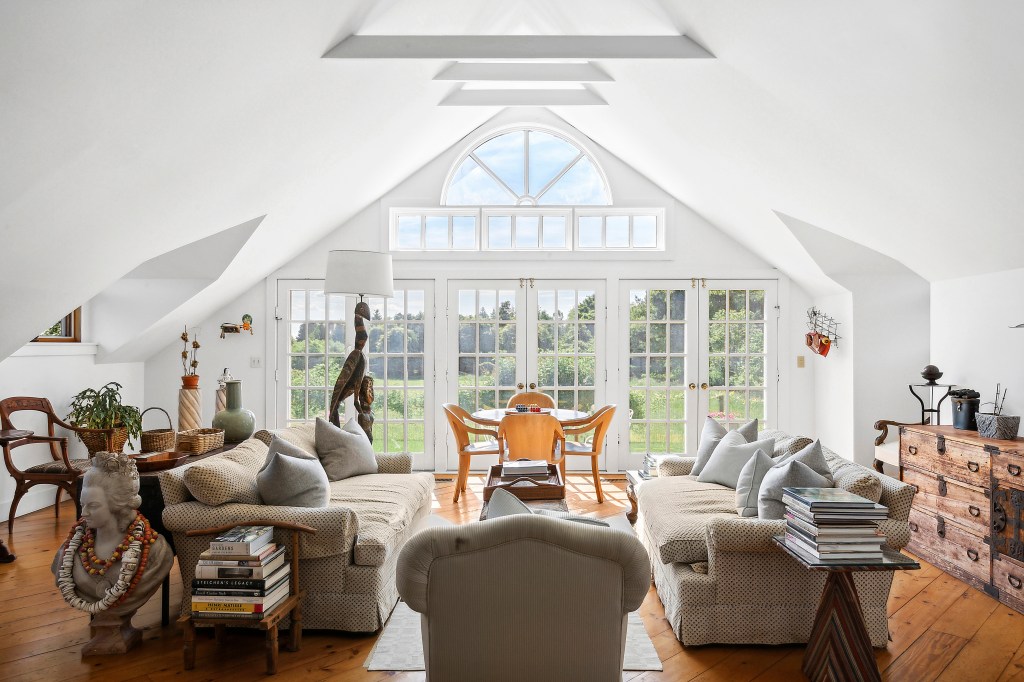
(400, 646)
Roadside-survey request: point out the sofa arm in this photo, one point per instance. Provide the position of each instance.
(336, 527)
(897, 533)
(675, 466)
(743, 535)
(394, 463)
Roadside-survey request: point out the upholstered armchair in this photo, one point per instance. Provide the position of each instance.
(523, 597)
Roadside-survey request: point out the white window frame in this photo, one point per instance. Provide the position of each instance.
(487, 213)
(659, 217)
(423, 214)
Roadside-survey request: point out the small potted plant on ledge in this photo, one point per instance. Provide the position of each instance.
(102, 409)
(189, 364)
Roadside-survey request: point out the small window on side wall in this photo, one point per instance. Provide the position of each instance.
(67, 329)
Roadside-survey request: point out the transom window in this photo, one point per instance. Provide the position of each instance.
(527, 168)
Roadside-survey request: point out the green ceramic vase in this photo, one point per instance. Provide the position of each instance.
(238, 423)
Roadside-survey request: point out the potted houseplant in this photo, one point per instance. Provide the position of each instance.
(189, 364)
(102, 409)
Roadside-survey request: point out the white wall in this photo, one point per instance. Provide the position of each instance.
(971, 339)
(833, 378)
(35, 371)
(695, 248)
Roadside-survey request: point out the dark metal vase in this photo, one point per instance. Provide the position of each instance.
(965, 412)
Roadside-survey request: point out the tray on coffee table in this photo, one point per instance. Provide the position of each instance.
(526, 488)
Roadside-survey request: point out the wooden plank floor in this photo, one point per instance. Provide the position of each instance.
(941, 629)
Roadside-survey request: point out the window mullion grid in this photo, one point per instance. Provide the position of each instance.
(486, 169)
(558, 177)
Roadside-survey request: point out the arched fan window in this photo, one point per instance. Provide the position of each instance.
(527, 168)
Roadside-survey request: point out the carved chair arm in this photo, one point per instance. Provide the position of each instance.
(59, 440)
(884, 424)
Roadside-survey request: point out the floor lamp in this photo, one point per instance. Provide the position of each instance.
(367, 273)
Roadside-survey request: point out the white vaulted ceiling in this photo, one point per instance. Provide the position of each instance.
(130, 129)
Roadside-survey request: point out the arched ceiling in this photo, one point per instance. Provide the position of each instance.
(128, 130)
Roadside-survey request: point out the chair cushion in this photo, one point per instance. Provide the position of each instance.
(227, 477)
(58, 467)
(292, 477)
(729, 457)
(344, 452)
(676, 510)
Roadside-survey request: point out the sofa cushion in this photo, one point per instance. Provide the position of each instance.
(344, 452)
(675, 511)
(712, 434)
(386, 506)
(788, 474)
(749, 482)
(727, 460)
(227, 477)
(861, 483)
(292, 477)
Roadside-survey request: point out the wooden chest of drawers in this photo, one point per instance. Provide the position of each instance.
(968, 512)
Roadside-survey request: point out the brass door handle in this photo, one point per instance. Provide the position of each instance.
(532, 385)
(704, 386)
(520, 386)
(693, 386)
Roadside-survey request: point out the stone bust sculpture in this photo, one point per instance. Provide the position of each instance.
(112, 561)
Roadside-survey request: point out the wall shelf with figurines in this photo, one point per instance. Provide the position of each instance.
(823, 334)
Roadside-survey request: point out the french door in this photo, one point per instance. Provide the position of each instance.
(315, 335)
(691, 349)
(511, 336)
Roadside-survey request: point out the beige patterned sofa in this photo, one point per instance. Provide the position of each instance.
(348, 567)
(721, 578)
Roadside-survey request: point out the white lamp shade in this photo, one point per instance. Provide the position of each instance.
(367, 273)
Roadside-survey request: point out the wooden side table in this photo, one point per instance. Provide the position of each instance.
(291, 606)
(839, 649)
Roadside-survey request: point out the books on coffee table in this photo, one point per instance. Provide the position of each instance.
(831, 524)
(524, 467)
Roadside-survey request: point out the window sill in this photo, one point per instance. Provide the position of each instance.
(37, 348)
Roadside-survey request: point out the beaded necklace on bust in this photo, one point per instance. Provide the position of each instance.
(133, 551)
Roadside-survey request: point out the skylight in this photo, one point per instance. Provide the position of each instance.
(527, 168)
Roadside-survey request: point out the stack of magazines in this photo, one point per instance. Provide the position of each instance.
(833, 525)
(532, 468)
(242, 575)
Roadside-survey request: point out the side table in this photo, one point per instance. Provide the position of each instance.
(634, 479)
(839, 649)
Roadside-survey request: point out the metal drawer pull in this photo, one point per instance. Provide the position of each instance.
(974, 511)
(1014, 581)
(973, 466)
(1013, 469)
(912, 449)
(913, 526)
(973, 554)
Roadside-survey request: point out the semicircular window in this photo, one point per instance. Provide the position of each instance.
(527, 168)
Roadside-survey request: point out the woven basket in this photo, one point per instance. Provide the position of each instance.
(97, 442)
(158, 440)
(199, 441)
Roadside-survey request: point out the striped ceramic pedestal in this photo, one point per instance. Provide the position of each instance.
(839, 649)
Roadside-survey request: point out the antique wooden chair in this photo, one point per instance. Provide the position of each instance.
(589, 447)
(61, 471)
(530, 436)
(530, 398)
(457, 418)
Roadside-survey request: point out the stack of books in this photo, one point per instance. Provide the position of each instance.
(242, 575)
(532, 468)
(833, 525)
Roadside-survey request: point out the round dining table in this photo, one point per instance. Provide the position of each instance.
(494, 417)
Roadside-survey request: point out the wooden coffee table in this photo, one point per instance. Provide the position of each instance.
(537, 494)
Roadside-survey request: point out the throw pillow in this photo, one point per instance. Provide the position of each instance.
(292, 477)
(344, 452)
(861, 483)
(729, 457)
(712, 435)
(568, 516)
(504, 503)
(788, 474)
(790, 446)
(749, 482)
(812, 456)
(227, 477)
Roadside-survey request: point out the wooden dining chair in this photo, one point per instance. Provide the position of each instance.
(61, 471)
(530, 398)
(463, 432)
(530, 436)
(589, 447)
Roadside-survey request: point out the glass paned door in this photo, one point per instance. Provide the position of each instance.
(740, 368)
(314, 337)
(565, 344)
(660, 345)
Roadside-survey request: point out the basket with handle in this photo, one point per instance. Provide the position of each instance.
(157, 440)
(199, 441)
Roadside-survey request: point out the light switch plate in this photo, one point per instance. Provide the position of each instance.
(800, 360)
(255, 362)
